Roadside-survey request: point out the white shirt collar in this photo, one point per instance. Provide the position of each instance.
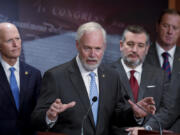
(160, 50)
(6, 66)
(128, 69)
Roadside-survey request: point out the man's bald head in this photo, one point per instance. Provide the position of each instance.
(10, 42)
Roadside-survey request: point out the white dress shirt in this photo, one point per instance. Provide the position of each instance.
(85, 75)
(6, 67)
(137, 74)
(171, 52)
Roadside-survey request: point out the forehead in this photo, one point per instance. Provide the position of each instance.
(92, 38)
(171, 19)
(136, 37)
(8, 32)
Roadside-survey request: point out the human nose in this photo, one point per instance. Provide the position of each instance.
(14, 42)
(134, 48)
(170, 30)
(92, 53)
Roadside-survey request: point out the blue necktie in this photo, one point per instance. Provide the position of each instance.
(94, 92)
(14, 87)
(166, 65)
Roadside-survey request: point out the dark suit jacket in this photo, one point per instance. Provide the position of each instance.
(13, 121)
(65, 82)
(152, 58)
(154, 83)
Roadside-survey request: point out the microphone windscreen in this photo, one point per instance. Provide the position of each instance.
(94, 99)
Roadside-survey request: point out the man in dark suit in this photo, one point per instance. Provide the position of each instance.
(168, 32)
(68, 89)
(18, 90)
(150, 81)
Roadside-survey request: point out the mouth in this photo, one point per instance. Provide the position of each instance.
(133, 55)
(168, 38)
(91, 62)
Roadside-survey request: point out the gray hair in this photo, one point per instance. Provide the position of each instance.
(88, 27)
(137, 30)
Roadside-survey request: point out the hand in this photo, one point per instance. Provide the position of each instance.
(147, 104)
(57, 107)
(134, 130)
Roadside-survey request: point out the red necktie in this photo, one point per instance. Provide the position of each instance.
(134, 85)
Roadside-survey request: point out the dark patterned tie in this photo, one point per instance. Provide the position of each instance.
(166, 65)
(14, 87)
(134, 85)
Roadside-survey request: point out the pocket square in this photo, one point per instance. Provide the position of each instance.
(151, 86)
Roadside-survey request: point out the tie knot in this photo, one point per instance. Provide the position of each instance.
(165, 54)
(92, 74)
(12, 69)
(132, 72)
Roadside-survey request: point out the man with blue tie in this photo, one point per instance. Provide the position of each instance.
(19, 85)
(68, 91)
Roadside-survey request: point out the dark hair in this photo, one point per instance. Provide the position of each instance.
(168, 11)
(137, 29)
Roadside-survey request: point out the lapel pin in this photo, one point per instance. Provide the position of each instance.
(26, 73)
(103, 75)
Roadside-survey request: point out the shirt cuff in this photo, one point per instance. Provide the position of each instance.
(139, 120)
(147, 127)
(49, 122)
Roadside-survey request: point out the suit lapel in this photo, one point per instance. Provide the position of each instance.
(101, 76)
(80, 88)
(24, 76)
(145, 77)
(5, 87)
(152, 56)
(123, 77)
(102, 96)
(176, 63)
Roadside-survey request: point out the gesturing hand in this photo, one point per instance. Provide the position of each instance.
(148, 104)
(57, 107)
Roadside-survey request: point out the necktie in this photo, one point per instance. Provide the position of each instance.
(166, 65)
(134, 85)
(94, 92)
(14, 87)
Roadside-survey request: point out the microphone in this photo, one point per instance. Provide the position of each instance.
(94, 99)
(160, 127)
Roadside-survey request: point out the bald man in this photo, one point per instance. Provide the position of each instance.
(19, 85)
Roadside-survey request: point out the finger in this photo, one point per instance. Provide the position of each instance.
(67, 106)
(51, 114)
(152, 109)
(58, 101)
(149, 100)
(131, 102)
(129, 129)
(57, 105)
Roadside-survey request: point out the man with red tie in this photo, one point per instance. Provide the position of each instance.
(139, 79)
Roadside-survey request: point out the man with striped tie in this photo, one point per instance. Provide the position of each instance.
(165, 54)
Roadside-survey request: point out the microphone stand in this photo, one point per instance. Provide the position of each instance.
(159, 124)
(94, 99)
